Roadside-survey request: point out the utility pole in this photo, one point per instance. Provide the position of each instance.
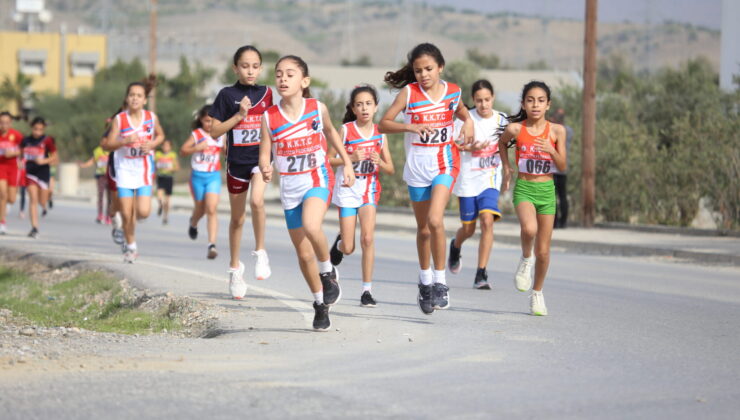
(153, 52)
(588, 152)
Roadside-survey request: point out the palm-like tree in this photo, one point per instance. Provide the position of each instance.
(16, 91)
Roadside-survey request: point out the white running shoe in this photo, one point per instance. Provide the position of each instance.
(237, 286)
(3, 229)
(537, 304)
(523, 276)
(262, 269)
(129, 255)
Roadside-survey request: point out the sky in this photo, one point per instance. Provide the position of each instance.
(698, 12)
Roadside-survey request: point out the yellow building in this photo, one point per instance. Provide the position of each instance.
(57, 63)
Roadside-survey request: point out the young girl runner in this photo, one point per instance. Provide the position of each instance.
(432, 159)
(205, 179)
(237, 112)
(10, 141)
(368, 150)
(540, 147)
(100, 160)
(478, 185)
(39, 152)
(166, 162)
(114, 211)
(297, 129)
(134, 135)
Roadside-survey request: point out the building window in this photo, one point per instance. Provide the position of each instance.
(32, 62)
(83, 64)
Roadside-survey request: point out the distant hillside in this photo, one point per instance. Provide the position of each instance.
(329, 31)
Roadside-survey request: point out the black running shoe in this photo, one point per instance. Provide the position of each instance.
(335, 254)
(193, 232)
(453, 260)
(321, 321)
(43, 212)
(51, 203)
(441, 298)
(332, 290)
(34, 233)
(367, 300)
(212, 253)
(117, 235)
(481, 280)
(159, 211)
(425, 299)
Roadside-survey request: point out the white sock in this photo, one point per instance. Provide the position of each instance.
(367, 286)
(439, 276)
(425, 276)
(528, 260)
(537, 292)
(131, 246)
(325, 266)
(318, 297)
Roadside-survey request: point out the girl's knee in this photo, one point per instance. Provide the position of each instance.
(542, 253)
(367, 240)
(486, 222)
(529, 230)
(424, 233)
(435, 222)
(468, 230)
(256, 203)
(238, 221)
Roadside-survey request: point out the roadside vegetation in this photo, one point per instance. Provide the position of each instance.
(90, 300)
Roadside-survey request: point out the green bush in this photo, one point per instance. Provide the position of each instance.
(663, 142)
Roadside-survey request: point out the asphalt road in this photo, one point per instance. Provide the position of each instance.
(626, 337)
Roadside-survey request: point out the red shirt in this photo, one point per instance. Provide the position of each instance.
(9, 141)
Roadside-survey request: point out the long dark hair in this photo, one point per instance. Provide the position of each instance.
(243, 49)
(301, 65)
(199, 116)
(481, 84)
(38, 120)
(405, 75)
(522, 114)
(149, 83)
(350, 114)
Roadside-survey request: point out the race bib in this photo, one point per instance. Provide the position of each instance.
(102, 162)
(535, 166)
(487, 158)
(204, 157)
(164, 165)
(6, 146)
(33, 153)
(298, 156)
(365, 167)
(247, 131)
(441, 124)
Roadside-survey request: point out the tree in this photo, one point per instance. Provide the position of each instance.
(17, 92)
(464, 74)
(486, 61)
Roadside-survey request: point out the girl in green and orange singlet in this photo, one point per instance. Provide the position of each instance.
(166, 162)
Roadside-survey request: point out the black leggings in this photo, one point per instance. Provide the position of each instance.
(561, 192)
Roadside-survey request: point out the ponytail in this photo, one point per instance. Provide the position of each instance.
(522, 114)
(203, 112)
(301, 65)
(350, 114)
(405, 75)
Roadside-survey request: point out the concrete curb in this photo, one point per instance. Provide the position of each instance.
(580, 247)
(274, 212)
